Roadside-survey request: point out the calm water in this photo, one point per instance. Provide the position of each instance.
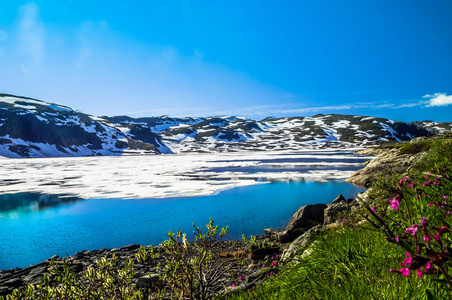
(35, 227)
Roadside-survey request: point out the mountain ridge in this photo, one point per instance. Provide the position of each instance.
(35, 128)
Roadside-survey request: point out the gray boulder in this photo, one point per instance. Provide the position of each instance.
(307, 217)
(339, 199)
(301, 242)
(332, 212)
(272, 233)
(151, 281)
(288, 236)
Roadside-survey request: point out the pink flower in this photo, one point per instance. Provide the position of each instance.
(427, 238)
(233, 284)
(373, 208)
(419, 273)
(396, 239)
(394, 203)
(272, 264)
(405, 272)
(271, 273)
(240, 278)
(428, 265)
(426, 176)
(412, 230)
(391, 271)
(436, 237)
(423, 222)
(263, 266)
(272, 257)
(408, 260)
(429, 204)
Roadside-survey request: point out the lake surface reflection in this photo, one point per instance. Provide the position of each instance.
(35, 227)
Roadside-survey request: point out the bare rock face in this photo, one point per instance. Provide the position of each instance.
(339, 199)
(333, 210)
(387, 162)
(301, 242)
(305, 218)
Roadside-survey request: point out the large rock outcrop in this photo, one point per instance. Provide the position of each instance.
(388, 161)
(305, 218)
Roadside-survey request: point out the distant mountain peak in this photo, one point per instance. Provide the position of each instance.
(35, 128)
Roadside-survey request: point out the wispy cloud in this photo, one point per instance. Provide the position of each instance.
(438, 99)
(260, 110)
(31, 34)
(323, 108)
(347, 107)
(407, 105)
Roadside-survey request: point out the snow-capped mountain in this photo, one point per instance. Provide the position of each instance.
(226, 134)
(34, 128)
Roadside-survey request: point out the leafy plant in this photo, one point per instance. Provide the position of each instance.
(191, 269)
(107, 281)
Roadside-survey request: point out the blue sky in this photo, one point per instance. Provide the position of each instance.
(254, 58)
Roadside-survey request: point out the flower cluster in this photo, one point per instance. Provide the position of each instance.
(430, 236)
(272, 265)
(395, 202)
(418, 220)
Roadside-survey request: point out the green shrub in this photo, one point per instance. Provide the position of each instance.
(191, 269)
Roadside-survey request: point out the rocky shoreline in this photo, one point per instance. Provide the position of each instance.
(387, 161)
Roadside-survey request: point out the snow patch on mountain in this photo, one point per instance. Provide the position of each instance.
(37, 128)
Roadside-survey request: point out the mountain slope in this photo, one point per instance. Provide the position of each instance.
(225, 134)
(34, 128)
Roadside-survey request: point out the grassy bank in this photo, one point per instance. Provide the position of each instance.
(354, 260)
(350, 263)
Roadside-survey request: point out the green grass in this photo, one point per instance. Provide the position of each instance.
(413, 148)
(346, 264)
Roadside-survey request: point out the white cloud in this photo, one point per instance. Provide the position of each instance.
(387, 105)
(31, 34)
(406, 105)
(321, 109)
(438, 99)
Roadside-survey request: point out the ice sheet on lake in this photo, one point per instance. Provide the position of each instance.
(159, 176)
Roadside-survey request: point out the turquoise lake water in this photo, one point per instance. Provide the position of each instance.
(35, 227)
